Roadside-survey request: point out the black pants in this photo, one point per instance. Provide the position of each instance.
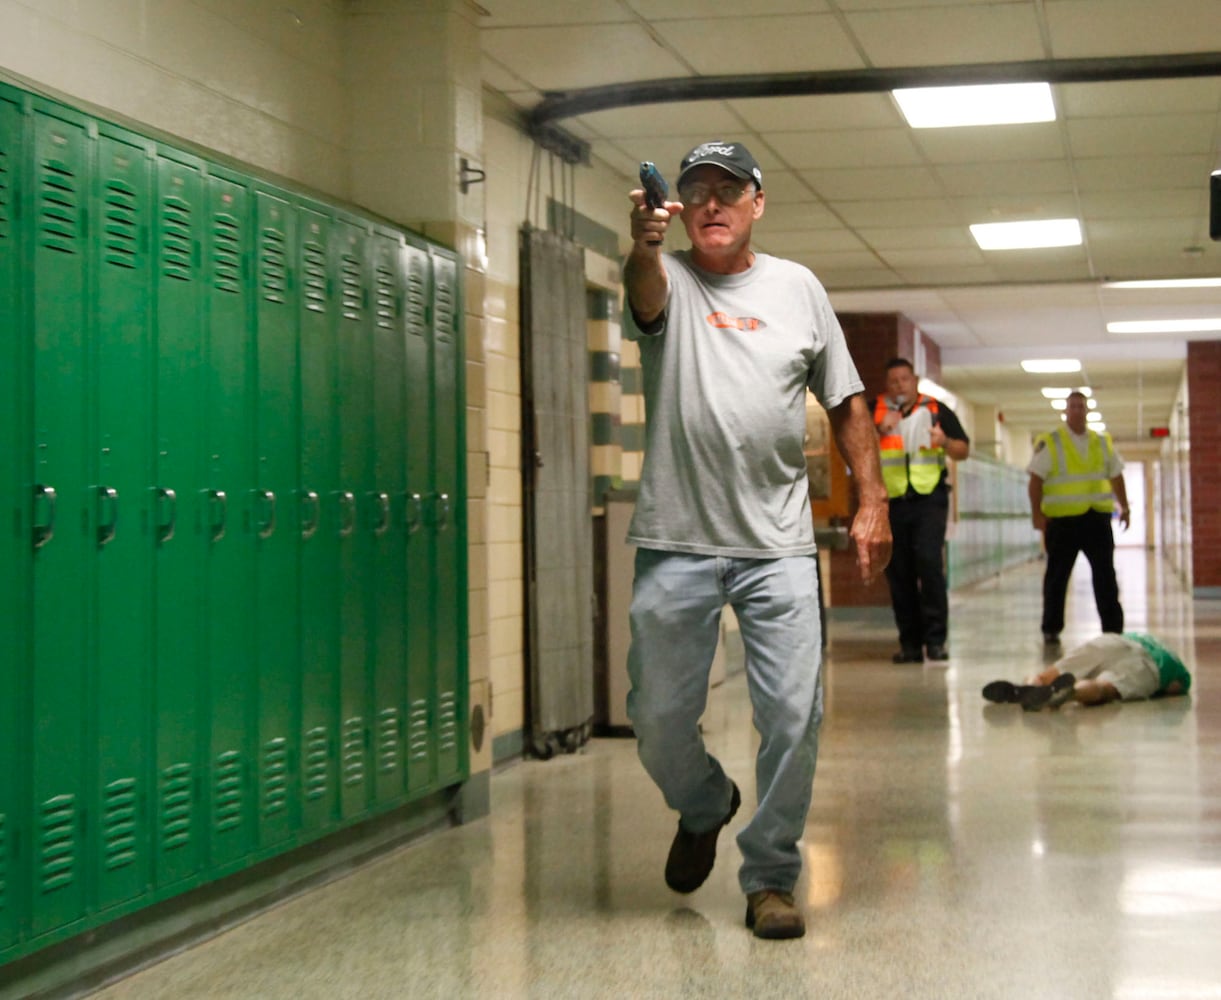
(916, 573)
(1066, 536)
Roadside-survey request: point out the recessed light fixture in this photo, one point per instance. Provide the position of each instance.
(1051, 366)
(1059, 404)
(1211, 325)
(1028, 235)
(976, 104)
(1093, 417)
(1055, 392)
(1166, 283)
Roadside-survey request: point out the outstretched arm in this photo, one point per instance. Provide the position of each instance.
(858, 443)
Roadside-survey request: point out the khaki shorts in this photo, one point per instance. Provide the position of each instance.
(1112, 659)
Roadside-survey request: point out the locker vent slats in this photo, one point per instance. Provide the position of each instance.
(416, 298)
(120, 232)
(384, 304)
(417, 736)
(6, 197)
(59, 212)
(273, 265)
(4, 849)
(314, 277)
(176, 238)
(57, 849)
(227, 795)
(227, 253)
(352, 291)
(447, 721)
(316, 763)
(444, 306)
(388, 740)
(175, 795)
(353, 751)
(119, 823)
(275, 776)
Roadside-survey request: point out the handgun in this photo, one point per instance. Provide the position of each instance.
(656, 190)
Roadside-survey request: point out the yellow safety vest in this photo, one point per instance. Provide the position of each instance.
(922, 471)
(1075, 484)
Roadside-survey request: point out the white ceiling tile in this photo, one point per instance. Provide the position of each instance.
(819, 111)
(858, 148)
(1185, 202)
(1138, 97)
(919, 238)
(1007, 179)
(979, 145)
(945, 36)
(900, 212)
(512, 13)
(791, 43)
(646, 121)
(1139, 173)
(663, 10)
(874, 182)
(580, 56)
(780, 216)
(1143, 135)
(813, 241)
(1094, 28)
(944, 259)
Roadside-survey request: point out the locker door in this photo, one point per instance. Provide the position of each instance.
(14, 527)
(448, 518)
(62, 513)
(121, 514)
(228, 628)
(421, 699)
(319, 514)
(348, 266)
(277, 524)
(389, 535)
(178, 681)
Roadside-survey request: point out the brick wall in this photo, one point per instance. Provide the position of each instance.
(1204, 415)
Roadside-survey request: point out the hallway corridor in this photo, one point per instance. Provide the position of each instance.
(955, 848)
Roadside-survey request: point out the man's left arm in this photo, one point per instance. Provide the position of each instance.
(948, 434)
(1121, 494)
(852, 425)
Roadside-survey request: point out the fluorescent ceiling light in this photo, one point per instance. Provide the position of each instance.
(1093, 418)
(1051, 366)
(1099, 427)
(1059, 404)
(1027, 235)
(976, 104)
(1166, 283)
(1055, 392)
(1166, 326)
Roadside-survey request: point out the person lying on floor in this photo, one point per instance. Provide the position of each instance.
(1111, 667)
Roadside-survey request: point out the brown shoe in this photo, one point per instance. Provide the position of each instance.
(772, 914)
(693, 854)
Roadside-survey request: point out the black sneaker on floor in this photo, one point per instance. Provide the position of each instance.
(693, 854)
(1051, 638)
(938, 653)
(1001, 692)
(908, 656)
(1061, 690)
(1033, 697)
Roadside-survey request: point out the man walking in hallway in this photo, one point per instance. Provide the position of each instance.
(915, 434)
(730, 342)
(1075, 479)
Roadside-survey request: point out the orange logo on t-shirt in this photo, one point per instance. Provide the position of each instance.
(723, 321)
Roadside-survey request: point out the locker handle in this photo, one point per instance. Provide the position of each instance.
(309, 525)
(166, 531)
(268, 526)
(442, 511)
(107, 496)
(414, 511)
(383, 510)
(347, 514)
(217, 502)
(43, 533)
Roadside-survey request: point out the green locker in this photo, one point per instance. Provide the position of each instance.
(122, 639)
(319, 514)
(229, 482)
(63, 507)
(349, 266)
(277, 524)
(177, 537)
(389, 570)
(448, 518)
(420, 554)
(14, 528)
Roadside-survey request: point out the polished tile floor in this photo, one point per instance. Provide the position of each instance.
(954, 849)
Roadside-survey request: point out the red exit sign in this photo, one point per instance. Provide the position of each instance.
(1159, 432)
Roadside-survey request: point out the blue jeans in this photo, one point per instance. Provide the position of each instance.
(675, 620)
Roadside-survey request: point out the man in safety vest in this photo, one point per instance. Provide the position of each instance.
(916, 433)
(1075, 479)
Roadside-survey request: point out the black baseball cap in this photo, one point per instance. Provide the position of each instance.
(731, 156)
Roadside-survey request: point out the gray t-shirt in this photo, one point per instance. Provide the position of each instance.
(725, 381)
